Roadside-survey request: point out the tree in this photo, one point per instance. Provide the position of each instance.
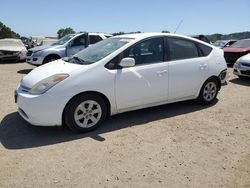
(64, 31)
(6, 32)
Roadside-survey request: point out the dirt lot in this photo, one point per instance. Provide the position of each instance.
(176, 145)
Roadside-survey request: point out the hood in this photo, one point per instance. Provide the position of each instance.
(39, 48)
(43, 47)
(47, 70)
(245, 58)
(12, 45)
(236, 50)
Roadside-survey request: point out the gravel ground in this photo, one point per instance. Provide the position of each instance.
(176, 145)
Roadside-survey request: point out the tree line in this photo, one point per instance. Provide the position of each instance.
(6, 32)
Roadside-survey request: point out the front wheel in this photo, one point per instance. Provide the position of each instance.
(85, 113)
(208, 92)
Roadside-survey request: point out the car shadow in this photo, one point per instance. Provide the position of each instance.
(244, 81)
(24, 71)
(10, 61)
(15, 133)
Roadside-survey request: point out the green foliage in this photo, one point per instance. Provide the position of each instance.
(64, 31)
(118, 33)
(6, 32)
(236, 36)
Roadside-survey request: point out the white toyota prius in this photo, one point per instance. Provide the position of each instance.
(120, 74)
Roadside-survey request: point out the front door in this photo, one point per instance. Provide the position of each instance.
(145, 83)
(76, 45)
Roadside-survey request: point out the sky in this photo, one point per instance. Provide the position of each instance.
(46, 17)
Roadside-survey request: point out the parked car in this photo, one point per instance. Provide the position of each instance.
(202, 38)
(224, 43)
(242, 66)
(236, 50)
(120, 74)
(12, 50)
(66, 46)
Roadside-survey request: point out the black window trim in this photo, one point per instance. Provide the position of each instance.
(121, 55)
(200, 52)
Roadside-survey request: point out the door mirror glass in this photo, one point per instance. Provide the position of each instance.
(127, 62)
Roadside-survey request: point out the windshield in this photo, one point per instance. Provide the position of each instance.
(241, 44)
(101, 49)
(220, 43)
(63, 40)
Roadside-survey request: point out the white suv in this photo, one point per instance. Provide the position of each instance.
(120, 74)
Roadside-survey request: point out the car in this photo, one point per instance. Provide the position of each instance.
(202, 38)
(66, 46)
(242, 66)
(224, 43)
(236, 50)
(12, 50)
(120, 74)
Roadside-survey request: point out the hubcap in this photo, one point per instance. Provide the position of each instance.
(209, 92)
(87, 114)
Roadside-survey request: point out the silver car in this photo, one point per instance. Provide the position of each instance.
(242, 66)
(66, 46)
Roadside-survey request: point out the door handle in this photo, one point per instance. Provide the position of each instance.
(203, 66)
(160, 73)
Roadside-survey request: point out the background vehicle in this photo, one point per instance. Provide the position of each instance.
(134, 71)
(242, 66)
(66, 46)
(236, 50)
(223, 43)
(202, 38)
(12, 49)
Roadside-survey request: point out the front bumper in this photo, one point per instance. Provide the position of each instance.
(240, 70)
(41, 110)
(34, 60)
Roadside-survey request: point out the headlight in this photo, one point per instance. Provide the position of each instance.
(237, 63)
(47, 83)
(38, 53)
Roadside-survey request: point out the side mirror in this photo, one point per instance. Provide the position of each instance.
(127, 62)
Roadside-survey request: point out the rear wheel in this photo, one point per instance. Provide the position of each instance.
(208, 91)
(85, 112)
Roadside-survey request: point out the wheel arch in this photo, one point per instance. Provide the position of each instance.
(52, 55)
(104, 97)
(211, 77)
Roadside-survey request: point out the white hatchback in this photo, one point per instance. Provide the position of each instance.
(120, 74)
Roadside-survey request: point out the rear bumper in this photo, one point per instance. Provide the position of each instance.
(224, 76)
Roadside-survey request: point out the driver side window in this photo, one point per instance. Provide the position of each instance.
(149, 51)
(79, 41)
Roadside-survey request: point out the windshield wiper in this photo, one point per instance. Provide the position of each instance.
(78, 59)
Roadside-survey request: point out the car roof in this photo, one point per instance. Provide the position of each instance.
(139, 36)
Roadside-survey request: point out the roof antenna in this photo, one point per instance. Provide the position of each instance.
(178, 26)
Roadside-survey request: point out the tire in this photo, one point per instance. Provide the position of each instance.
(50, 58)
(85, 113)
(208, 92)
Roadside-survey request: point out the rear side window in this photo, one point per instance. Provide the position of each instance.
(206, 50)
(182, 49)
(94, 39)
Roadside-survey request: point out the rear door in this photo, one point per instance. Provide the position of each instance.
(187, 68)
